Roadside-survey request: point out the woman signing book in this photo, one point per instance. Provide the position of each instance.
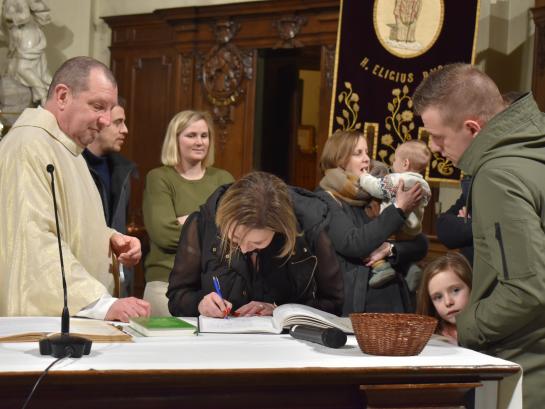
(266, 244)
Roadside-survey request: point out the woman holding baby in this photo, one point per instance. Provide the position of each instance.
(360, 233)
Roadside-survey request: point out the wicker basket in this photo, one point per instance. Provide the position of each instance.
(392, 334)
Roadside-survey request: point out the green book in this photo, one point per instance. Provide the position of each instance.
(161, 326)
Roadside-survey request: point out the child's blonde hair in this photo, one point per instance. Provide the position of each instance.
(450, 261)
(416, 152)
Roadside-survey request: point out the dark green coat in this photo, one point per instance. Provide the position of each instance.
(506, 313)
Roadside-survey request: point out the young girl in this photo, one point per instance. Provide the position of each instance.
(444, 291)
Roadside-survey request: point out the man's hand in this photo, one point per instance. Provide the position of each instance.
(126, 248)
(463, 213)
(125, 308)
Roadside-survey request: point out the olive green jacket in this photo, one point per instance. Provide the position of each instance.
(506, 313)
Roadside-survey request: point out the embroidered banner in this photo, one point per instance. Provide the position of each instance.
(384, 49)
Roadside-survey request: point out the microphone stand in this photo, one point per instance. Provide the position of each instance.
(63, 344)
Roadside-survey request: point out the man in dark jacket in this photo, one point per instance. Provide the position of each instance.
(112, 175)
(503, 147)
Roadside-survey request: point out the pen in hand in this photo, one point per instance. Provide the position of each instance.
(218, 291)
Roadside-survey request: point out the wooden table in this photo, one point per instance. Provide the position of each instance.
(246, 371)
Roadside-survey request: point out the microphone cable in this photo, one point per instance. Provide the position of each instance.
(42, 376)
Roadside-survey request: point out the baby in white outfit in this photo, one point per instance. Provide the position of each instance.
(410, 161)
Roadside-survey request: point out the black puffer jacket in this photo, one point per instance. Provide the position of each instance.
(354, 236)
(311, 275)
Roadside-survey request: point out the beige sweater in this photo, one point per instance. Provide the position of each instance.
(30, 273)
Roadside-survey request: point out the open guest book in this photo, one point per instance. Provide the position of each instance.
(32, 329)
(283, 316)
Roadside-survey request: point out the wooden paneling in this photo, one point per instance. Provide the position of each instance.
(147, 83)
(290, 388)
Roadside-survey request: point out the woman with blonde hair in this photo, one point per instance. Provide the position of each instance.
(266, 245)
(361, 235)
(175, 190)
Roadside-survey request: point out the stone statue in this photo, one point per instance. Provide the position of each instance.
(27, 64)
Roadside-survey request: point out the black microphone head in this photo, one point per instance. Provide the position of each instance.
(329, 337)
(334, 338)
(50, 168)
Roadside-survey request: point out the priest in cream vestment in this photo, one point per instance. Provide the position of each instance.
(30, 271)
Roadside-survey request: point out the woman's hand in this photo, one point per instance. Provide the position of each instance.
(408, 200)
(380, 253)
(212, 305)
(255, 308)
(182, 219)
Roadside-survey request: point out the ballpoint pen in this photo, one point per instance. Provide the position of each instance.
(218, 291)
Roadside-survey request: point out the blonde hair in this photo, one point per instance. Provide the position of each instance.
(416, 152)
(450, 261)
(338, 149)
(459, 92)
(258, 200)
(170, 152)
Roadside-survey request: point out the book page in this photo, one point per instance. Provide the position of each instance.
(238, 325)
(287, 315)
(29, 329)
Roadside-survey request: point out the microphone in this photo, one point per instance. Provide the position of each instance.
(63, 344)
(329, 337)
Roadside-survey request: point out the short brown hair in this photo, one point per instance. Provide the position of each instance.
(121, 102)
(74, 73)
(338, 149)
(417, 152)
(459, 91)
(170, 152)
(258, 200)
(450, 261)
